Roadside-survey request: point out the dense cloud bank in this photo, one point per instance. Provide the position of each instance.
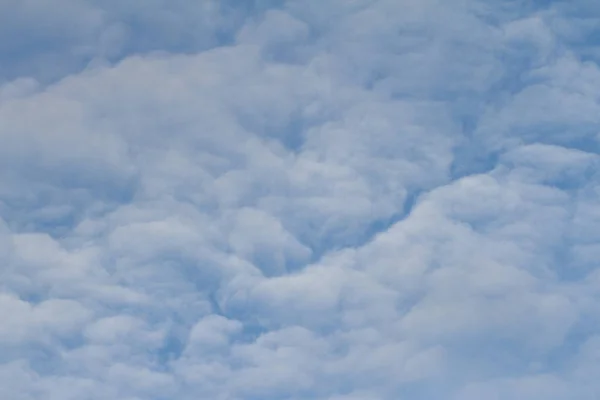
(302, 199)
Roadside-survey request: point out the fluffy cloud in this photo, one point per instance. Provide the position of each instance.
(298, 200)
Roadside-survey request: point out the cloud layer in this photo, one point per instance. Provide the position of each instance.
(300, 199)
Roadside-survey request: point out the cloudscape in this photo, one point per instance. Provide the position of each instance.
(299, 200)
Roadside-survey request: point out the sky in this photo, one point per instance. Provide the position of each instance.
(299, 200)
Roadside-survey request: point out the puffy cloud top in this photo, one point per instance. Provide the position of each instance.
(299, 199)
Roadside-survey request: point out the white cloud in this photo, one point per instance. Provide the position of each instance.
(298, 199)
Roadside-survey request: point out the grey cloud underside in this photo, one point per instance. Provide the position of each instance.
(342, 200)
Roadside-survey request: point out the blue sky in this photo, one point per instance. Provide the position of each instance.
(299, 199)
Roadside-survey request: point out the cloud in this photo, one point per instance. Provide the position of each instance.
(298, 199)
